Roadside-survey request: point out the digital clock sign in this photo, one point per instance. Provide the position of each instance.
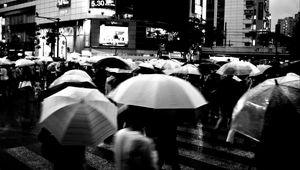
(102, 4)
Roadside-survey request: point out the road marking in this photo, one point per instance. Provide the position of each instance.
(36, 162)
(30, 159)
(97, 162)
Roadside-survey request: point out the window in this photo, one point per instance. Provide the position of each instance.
(248, 26)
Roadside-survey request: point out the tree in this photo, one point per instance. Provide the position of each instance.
(3, 49)
(192, 34)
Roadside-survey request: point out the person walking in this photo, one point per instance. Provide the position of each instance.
(161, 126)
(62, 156)
(133, 150)
(229, 90)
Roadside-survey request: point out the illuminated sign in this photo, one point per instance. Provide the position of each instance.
(155, 32)
(249, 12)
(63, 3)
(111, 35)
(102, 4)
(160, 33)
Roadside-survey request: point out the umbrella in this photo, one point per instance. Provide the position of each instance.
(292, 66)
(188, 69)
(73, 56)
(207, 67)
(157, 91)
(146, 65)
(24, 62)
(74, 75)
(251, 110)
(262, 68)
(44, 59)
(112, 62)
(237, 68)
(5, 61)
(52, 65)
(79, 116)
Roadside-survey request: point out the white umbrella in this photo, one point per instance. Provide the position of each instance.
(5, 61)
(44, 59)
(237, 68)
(23, 62)
(74, 75)
(188, 69)
(146, 65)
(262, 68)
(79, 116)
(158, 91)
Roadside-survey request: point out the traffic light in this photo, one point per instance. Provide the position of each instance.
(37, 37)
(50, 37)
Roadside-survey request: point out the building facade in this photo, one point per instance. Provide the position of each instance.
(243, 17)
(17, 24)
(99, 26)
(233, 20)
(121, 26)
(286, 26)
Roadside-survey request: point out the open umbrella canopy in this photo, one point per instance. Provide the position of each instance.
(237, 68)
(79, 116)
(157, 91)
(292, 66)
(5, 61)
(262, 68)
(207, 67)
(74, 75)
(188, 69)
(24, 62)
(112, 62)
(52, 65)
(44, 59)
(249, 115)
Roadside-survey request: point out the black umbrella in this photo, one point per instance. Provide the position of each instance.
(292, 67)
(112, 62)
(207, 67)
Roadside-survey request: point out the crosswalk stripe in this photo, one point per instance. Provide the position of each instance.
(97, 162)
(29, 158)
(222, 163)
(241, 142)
(233, 151)
(36, 162)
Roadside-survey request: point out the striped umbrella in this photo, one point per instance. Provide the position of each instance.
(79, 116)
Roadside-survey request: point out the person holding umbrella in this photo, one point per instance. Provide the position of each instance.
(164, 95)
(269, 114)
(74, 114)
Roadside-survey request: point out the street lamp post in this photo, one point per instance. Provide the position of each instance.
(56, 20)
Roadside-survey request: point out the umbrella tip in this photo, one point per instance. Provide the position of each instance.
(276, 82)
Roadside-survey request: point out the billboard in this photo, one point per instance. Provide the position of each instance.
(160, 33)
(155, 32)
(113, 35)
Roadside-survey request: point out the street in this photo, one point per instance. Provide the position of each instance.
(198, 149)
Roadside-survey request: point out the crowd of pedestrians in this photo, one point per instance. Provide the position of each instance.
(138, 144)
